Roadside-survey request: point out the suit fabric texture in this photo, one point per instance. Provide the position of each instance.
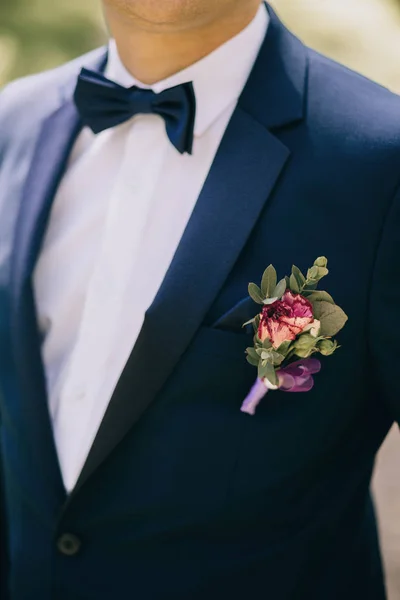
(182, 495)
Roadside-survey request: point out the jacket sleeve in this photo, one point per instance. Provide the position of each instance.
(384, 315)
(3, 521)
(3, 540)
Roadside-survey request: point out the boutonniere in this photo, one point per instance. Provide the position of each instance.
(296, 321)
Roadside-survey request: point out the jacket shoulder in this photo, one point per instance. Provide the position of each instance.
(350, 105)
(28, 99)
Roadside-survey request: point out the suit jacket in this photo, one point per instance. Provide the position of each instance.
(183, 496)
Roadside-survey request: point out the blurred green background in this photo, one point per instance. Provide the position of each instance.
(364, 34)
(39, 34)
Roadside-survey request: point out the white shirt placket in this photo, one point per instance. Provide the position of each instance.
(129, 210)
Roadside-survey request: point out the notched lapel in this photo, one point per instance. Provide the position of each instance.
(52, 149)
(49, 159)
(244, 173)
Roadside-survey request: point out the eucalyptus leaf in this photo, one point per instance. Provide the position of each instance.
(252, 352)
(272, 376)
(277, 358)
(252, 361)
(263, 368)
(322, 272)
(301, 280)
(257, 341)
(280, 289)
(327, 347)
(267, 344)
(255, 293)
(269, 280)
(305, 345)
(321, 261)
(267, 371)
(294, 286)
(284, 347)
(319, 296)
(332, 318)
(268, 301)
(312, 274)
(251, 322)
(315, 274)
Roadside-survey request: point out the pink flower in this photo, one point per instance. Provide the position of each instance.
(285, 319)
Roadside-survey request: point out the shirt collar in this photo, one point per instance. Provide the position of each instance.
(218, 78)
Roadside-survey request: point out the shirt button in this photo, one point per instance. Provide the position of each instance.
(68, 544)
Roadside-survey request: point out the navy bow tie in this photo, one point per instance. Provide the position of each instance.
(103, 104)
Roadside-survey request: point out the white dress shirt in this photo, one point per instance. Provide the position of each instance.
(115, 224)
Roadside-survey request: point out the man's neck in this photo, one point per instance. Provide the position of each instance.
(151, 56)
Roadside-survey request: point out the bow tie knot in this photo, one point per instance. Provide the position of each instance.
(103, 104)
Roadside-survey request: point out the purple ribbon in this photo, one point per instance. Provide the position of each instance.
(296, 377)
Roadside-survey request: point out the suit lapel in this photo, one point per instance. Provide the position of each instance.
(244, 173)
(57, 135)
(52, 150)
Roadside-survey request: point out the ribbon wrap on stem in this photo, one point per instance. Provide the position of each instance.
(296, 377)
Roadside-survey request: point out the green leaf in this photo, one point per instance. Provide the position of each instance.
(252, 352)
(252, 361)
(257, 341)
(263, 368)
(280, 289)
(256, 323)
(312, 274)
(315, 274)
(272, 357)
(284, 348)
(252, 357)
(268, 283)
(294, 286)
(268, 301)
(255, 293)
(301, 280)
(305, 345)
(327, 347)
(267, 371)
(277, 358)
(267, 344)
(322, 272)
(319, 296)
(251, 322)
(321, 261)
(332, 318)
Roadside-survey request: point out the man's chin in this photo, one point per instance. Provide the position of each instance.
(161, 13)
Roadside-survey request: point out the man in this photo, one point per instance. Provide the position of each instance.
(141, 190)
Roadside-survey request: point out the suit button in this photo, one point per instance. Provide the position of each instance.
(68, 544)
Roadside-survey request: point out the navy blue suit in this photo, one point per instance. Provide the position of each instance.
(183, 496)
